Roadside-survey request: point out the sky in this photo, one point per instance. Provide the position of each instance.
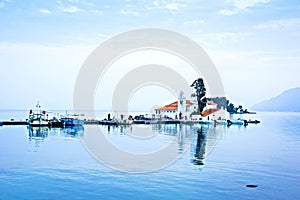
(254, 45)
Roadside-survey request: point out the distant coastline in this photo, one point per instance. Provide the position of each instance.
(287, 101)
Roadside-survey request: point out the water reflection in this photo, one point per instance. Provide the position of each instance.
(200, 147)
(201, 139)
(40, 133)
(72, 131)
(122, 129)
(37, 134)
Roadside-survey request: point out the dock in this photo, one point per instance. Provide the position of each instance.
(136, 122)
(3, 123)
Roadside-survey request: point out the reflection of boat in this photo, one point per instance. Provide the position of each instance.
(253, 121)
(39, 132)
(71, 120)
(73, 131)
(38, 118)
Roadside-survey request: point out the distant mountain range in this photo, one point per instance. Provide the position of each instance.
(288, 101)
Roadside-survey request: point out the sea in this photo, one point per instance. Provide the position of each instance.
(258, 161)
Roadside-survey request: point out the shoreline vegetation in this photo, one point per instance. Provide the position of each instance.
(230, 107)
(221, 102)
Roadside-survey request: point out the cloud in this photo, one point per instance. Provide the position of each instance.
(228, 12)
(242, 6)
(2, 4)
(280, 24)
(172, 6)
(73, 1)
(44, 11)
(74, 6)
(69, 9)
(129, 12)
(96, 11)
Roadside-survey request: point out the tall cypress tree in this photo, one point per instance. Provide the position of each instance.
(199, 86)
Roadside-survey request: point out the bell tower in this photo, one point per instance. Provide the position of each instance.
(182, 103)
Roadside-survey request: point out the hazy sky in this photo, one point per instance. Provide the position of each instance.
(43, 44)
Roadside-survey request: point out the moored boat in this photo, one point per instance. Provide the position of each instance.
(220, 122)
(235, 122)
(38, 118)
(71, 120)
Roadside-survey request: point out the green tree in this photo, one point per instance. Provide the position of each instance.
(199, 86)
(240, 108)
(220, 101)
(231, 108)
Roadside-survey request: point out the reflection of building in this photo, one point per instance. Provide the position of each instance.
(199, 155)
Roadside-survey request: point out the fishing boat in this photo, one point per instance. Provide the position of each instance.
(71, 120)
(38, 118)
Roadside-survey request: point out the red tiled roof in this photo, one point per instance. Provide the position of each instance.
(209, 111)
(171, 106)
(174, 105)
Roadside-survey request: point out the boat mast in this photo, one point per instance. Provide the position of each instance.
(38, 107)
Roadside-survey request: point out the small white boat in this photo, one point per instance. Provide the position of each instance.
(235, 122)
(38, 118)
(220, 122)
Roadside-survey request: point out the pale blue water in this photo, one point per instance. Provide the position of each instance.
(53, 164)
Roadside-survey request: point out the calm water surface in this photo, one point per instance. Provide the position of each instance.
(53, 164)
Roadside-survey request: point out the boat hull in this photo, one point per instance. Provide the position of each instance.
(38, 123)
(73, 122)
